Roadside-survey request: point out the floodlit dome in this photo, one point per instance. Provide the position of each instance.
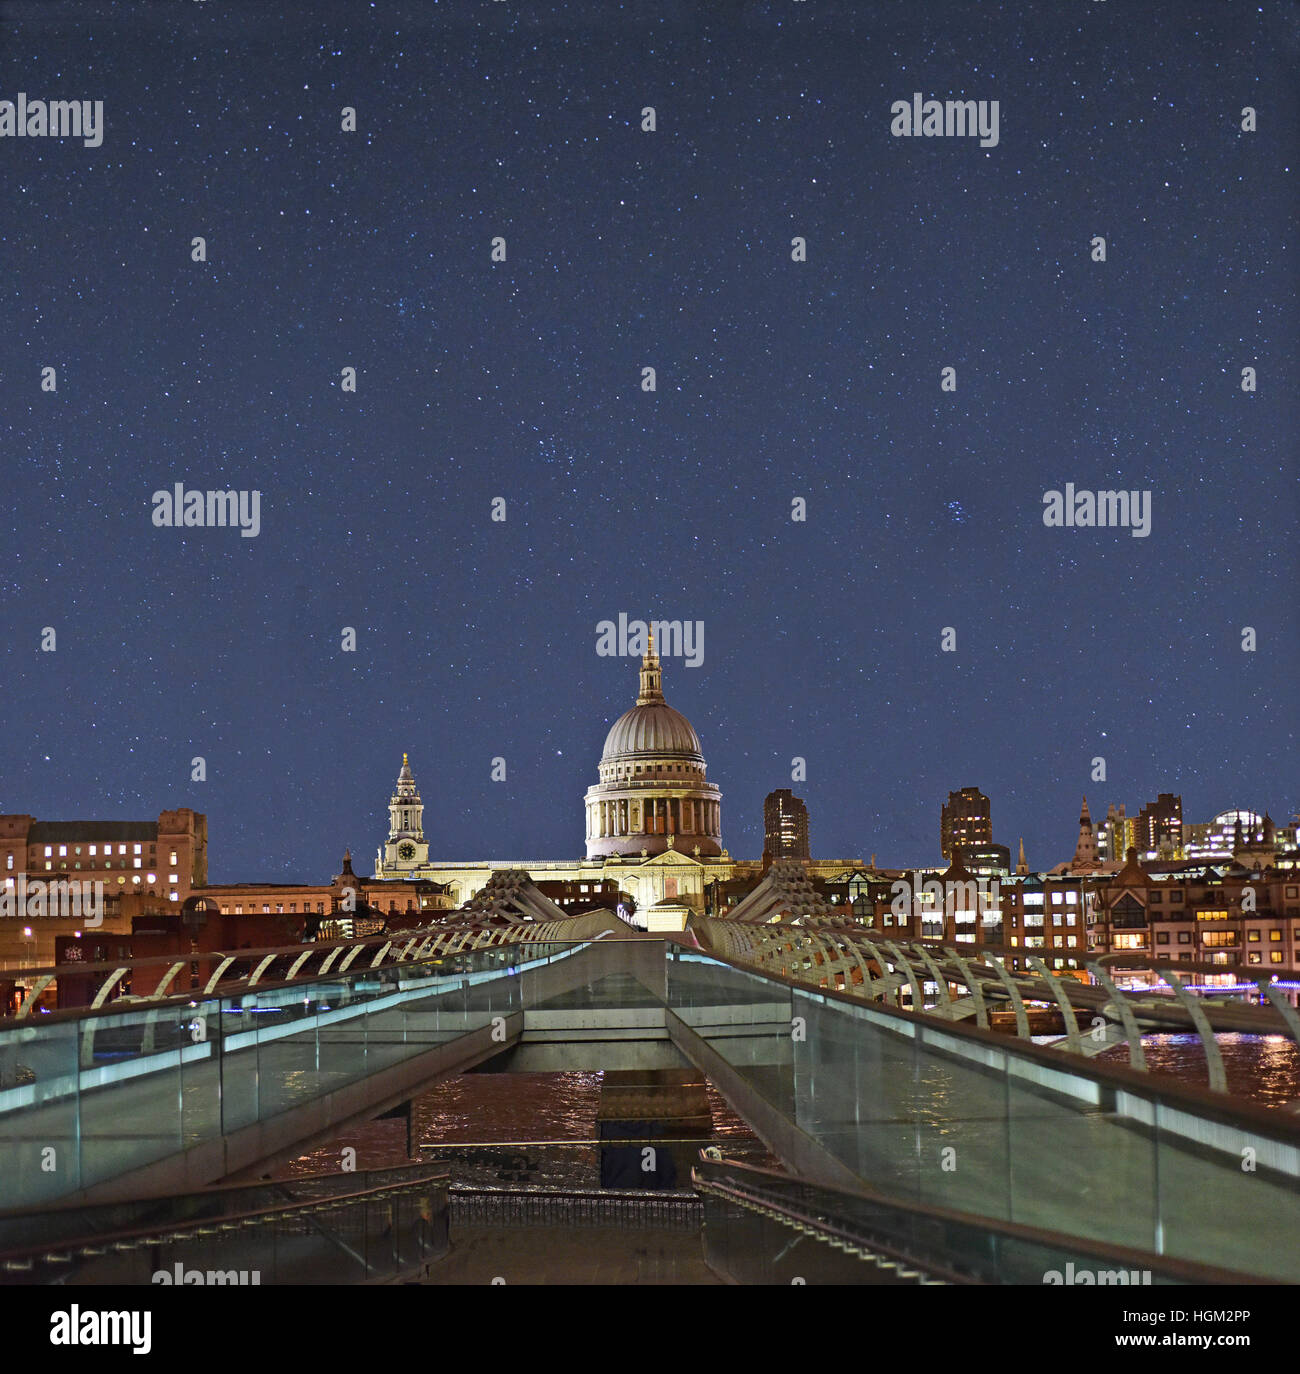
(651, 729)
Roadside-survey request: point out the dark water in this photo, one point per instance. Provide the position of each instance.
(1264, 1068)
(500, 1128)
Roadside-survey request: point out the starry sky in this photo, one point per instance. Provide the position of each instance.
(521, 380)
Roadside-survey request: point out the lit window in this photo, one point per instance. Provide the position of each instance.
(63, 851)
(1275, 956)
(138, 863)
(171, 858)
(173, 878)
(171, 896)
(153, 877)
(136, 879)
(135, 849)
(48, 851)
(92, 849)
(121, 849)
(48, 865)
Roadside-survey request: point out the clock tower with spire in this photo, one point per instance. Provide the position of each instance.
(405, 849)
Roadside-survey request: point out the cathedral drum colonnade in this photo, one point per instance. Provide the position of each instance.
(653, 795)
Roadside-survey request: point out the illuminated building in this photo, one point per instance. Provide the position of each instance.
(964, 820)
(785, 826)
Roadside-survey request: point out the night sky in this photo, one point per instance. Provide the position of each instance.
(775, 380)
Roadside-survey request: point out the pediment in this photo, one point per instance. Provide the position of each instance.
(672, 858)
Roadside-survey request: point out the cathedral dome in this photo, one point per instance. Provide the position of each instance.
(653, 794)
(651, 729)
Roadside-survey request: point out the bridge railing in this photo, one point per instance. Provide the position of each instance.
(751, 1216)
(370, 1226)
(950, 1115)
(91, 1096)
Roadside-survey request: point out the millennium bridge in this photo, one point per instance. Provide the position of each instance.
(916, 1143)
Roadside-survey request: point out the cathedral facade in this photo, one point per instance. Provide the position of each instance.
(652, 821)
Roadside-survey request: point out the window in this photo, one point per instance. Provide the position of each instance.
(1275, 956)
(1253, 957)
(48, 852)
(171, 858)
(1275, 935)
(172, 878)
(1162, 937)
(63, 851)
(1176, 895)
(1157, 898)
(1184, 937)
(1253, 936)
(135, 849)
(121, 849)
(92, 849)
(136, 863)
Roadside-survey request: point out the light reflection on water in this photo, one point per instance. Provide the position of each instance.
(520, 1107)
(507, 1107)
(1263, 1068)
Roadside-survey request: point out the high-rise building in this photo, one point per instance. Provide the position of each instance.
(785, 826)
(964, 820)
(1116, 835)
(1160, 827)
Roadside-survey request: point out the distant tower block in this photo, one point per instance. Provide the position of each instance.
(785, 826)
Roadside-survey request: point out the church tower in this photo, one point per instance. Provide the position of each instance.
(405, 849)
